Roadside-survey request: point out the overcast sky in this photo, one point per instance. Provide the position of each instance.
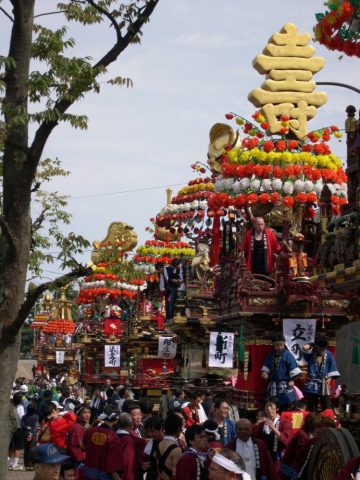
(193, 66)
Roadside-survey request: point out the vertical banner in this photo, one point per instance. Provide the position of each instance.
(221, 350)
(167, 347)
(297, 332)
(60, 356)
(112, 355)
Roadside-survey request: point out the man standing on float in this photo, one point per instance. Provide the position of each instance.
(260, 244)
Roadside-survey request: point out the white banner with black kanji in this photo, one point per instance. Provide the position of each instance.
(112, 355)
(60, 356)
(221, 349)
(297, 332)
(167, 347)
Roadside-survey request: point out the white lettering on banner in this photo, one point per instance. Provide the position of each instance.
(221, 349)
(167, 347)
(60, 356)
(297, 332)
(112, 355)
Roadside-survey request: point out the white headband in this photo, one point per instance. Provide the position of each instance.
(228, 464)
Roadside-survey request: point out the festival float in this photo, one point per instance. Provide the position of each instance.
(54, 346)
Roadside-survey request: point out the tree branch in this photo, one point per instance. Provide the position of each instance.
(8, 233)
(8, 332)
(45, 129)
(109, 16)
(49, 13)
(7, 14)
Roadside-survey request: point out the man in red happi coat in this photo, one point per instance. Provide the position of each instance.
(260, 244)
(127, 450)
(257, 460)
(193, 465)
(102, 445)
(75, 436)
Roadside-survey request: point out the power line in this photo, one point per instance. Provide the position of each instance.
(127, 191)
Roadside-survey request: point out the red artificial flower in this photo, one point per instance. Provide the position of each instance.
(240, 171)
(293, 144)
(306, 148)
(311, 197)
(335, 200)
(268, 146)
(240, 201)
(301, 197)
(252, 198)
(277, 172)
(249, 169)
(289, 171)
(264, 198)
(288, 202)
(264, 125)
(229, 116)
(226, 169)
(267, 171)
(274, 197)
(256, 115)
(284, 131)
(343, 201)
(258, 170)
(280, 146)
(285, 118)
(297, 170)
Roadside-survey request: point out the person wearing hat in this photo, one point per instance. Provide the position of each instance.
(298, 261)
(213, 435)
(47, 462)
(321, 370)
(76, 433)
(102, 459)
(280, 370)
(227, 465)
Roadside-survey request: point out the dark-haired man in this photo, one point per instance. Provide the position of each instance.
(191, 465)
(102, 449)
(280, 370)
(167, 451)
(76, 434)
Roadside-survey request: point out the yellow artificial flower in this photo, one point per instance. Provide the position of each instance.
(244, 157)
(286, 157)
(233, 155)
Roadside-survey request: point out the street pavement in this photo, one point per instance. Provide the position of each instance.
(20, 475)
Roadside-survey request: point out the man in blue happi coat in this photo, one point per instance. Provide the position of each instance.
(321, 370)
(280, 369)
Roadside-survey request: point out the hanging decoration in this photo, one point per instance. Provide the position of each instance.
(297, 332)
(221, 349)
(112, 355)
(60, 356)
(338, 28)
(167, 347)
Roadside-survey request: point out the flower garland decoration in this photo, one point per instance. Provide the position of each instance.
(186, 214)
(265, 170)
(157, 251)
(338, 27)
(59, 326)
(103, 283)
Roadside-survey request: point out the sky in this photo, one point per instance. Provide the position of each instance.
(194, 65)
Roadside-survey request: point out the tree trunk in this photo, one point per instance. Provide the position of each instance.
(8, 361)
(15, 235)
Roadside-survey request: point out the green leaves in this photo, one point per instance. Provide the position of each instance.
(121, 81)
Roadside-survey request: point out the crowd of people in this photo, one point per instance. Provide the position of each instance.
(111, 436)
